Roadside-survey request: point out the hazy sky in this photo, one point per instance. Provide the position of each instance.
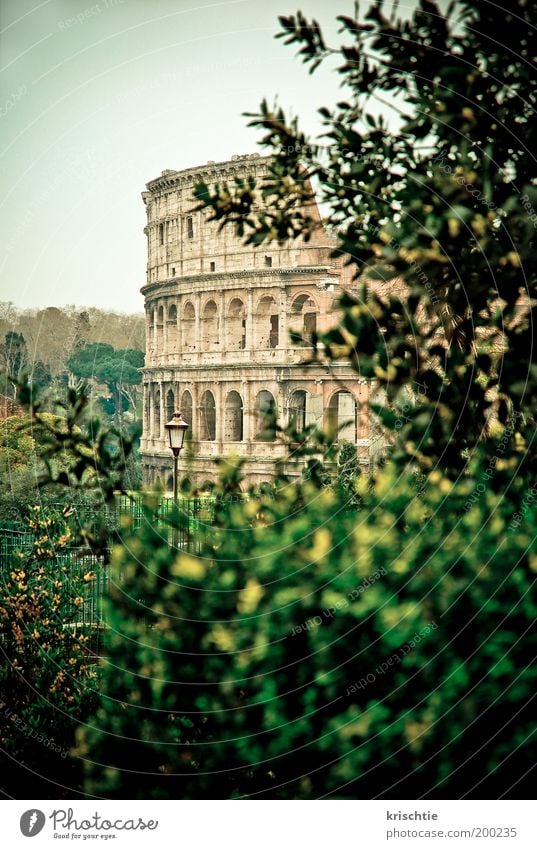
(97, 99)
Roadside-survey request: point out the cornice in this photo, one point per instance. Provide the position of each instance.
(215, 276)
(305, 371)
(209, 172)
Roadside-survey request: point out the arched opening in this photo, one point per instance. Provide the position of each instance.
(172, 328)
(207, 416)
(297, 410)
(209, 332)
(342, 416)
(189, 327)
(304, 318)
(170, 404)
(169, 483)
(233, 422)
(265, 419)
(157, 414)
(236, 326)
(186, 411)
(268, 327)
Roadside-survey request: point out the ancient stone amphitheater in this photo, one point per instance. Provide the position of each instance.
(218, 348)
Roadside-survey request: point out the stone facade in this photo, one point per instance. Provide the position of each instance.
(218, 349)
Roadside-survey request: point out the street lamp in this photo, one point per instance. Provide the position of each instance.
(177, 428)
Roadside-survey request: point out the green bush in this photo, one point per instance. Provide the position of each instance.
(310, 650)
(47, 674)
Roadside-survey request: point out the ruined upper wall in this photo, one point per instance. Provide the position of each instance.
(183, 242)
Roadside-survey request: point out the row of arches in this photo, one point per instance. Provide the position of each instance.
(228, 331)
(203, 426)
(341, 415)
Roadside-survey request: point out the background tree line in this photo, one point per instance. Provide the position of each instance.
(57, 350)
(45, 339)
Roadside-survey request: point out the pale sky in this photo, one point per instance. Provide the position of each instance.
(91, 108)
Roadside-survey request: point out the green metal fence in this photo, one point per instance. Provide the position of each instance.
(14, 536)
(87, 617)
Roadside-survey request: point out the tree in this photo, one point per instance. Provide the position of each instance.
(437, 218)
(40, 376)
(118, 369)
(15, 356)
(51, 332)
(82, 330)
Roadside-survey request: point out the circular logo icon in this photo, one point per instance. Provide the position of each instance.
(32, 822)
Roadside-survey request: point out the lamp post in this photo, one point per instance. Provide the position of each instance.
(177, 428)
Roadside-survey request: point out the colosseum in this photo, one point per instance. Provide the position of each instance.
(219, 316)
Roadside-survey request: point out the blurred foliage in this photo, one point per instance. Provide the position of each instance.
(438, 217)
(311, 650)
(65, 456)
(46, 676)
(348, 473)
(17, 446)
(81, 459)
(21, 464)
(48, 673)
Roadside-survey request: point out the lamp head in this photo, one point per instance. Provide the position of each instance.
(176, 427)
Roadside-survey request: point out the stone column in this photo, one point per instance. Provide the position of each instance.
(151, 395)
(248, 413)
(165, 344)
(162, 410)
(197, 331)
(280, 398)
(178, 332)
(221, 326)
(250, 321)
(145, 411)
(220, 414)
(155, 315)
(195, 410)
(283, 341)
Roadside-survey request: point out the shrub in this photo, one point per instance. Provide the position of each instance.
(47, 673)
(313, 651)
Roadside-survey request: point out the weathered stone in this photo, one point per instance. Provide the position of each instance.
(219, 315)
